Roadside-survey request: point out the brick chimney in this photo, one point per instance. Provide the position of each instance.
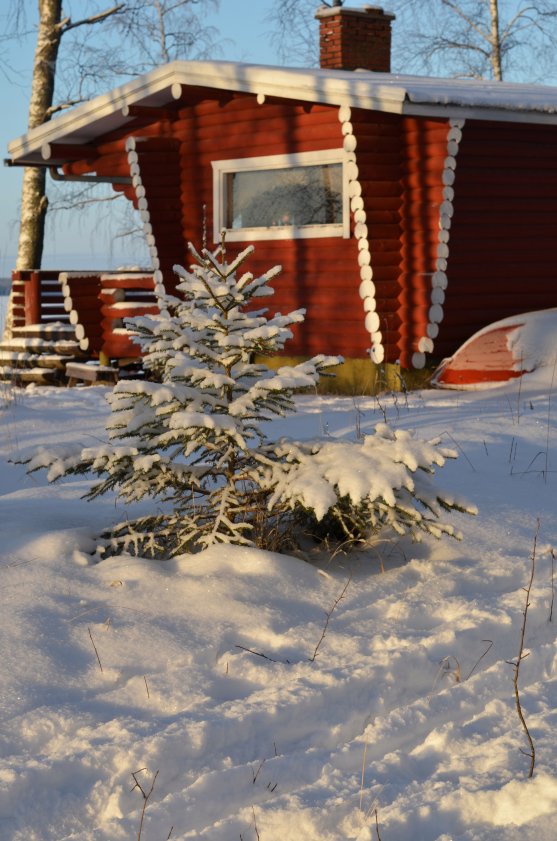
(355, 38)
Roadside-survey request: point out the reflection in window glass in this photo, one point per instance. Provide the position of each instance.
(297, 196)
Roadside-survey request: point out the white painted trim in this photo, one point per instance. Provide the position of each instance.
(143, 210)
(413, 95)
(503, 114)
(372, 321)
(439, 277)
(269, 162)
(277, 233)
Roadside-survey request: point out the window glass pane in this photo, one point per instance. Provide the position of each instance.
(303, 195)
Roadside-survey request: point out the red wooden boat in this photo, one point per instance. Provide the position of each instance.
(501, 352)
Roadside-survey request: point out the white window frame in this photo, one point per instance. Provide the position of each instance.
(264, 162)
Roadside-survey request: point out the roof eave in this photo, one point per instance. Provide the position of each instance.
(165, 85)
(478, 112)
(162, 86)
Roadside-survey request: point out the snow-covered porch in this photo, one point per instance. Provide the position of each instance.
(59, 317)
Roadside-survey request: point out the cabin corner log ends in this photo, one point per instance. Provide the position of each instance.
(93, 306)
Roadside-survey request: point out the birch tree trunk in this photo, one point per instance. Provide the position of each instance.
(52, 26)
(34, 202)
(496, 45)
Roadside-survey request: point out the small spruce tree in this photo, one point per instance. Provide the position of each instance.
(192, 437)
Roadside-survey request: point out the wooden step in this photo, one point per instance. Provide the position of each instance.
(34, 360)
(39, 346)
(39, 353)
(23, 376)
(55, 331)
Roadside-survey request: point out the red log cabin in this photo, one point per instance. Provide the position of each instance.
(407, 212)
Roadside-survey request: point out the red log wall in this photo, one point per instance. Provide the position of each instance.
(502, 242)
(379, 156)
(425, 143)
(399, 161)
(321, 274)
(500, 260)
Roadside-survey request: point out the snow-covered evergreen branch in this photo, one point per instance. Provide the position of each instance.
(191, 437)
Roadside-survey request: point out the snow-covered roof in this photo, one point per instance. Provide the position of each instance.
(417, 95)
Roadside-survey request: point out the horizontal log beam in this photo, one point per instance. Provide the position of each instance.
(149, 112)
(67, 152)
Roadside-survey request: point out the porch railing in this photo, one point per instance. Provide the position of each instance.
(94, 303)
(37, 297)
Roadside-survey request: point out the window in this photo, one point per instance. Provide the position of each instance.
(281, 197)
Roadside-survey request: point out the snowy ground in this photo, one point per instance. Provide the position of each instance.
(403, 728)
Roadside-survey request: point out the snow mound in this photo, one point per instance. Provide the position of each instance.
(261, 694)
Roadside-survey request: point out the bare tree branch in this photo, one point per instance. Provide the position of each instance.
(62, 106)
(483, 38)
(67, 24)
(473, 24)
(522, 655)
(478, 38)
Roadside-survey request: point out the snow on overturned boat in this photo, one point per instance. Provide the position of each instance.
(524, 344)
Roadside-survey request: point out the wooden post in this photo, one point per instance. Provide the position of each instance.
(33, 299)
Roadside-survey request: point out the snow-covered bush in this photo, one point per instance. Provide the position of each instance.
(353, 490)
(191, 438)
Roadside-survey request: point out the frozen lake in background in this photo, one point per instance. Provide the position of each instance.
(4, 289)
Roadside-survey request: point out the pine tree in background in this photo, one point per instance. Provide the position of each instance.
(192, 437)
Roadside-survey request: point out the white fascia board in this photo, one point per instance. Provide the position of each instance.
(83, 122)
(413, 95)
(76, 124)
(460, 112)
(332, 87)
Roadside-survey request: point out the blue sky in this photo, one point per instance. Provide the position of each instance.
(241, 23)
